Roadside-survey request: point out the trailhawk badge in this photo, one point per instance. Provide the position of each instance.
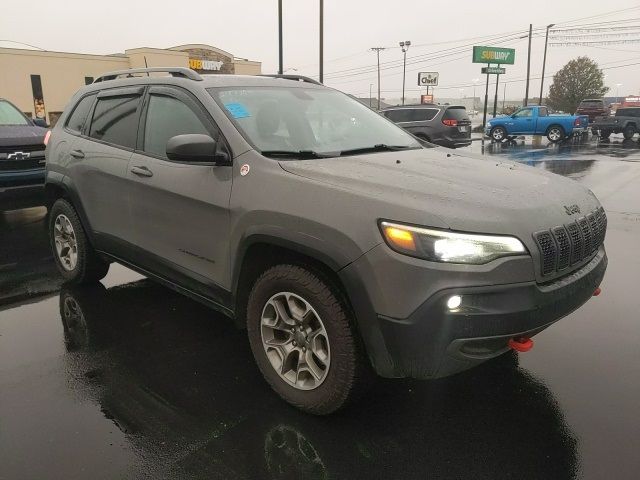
(571, 209)
(244, 169)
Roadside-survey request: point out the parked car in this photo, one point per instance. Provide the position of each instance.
(593, 108)
(341, 242)
(445, 125)
(21, 159)
(625, 121)
(536, 121)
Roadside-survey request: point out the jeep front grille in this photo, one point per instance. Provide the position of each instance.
(569, 244)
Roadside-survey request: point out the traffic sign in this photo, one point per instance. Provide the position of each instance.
(428, 79)
(505, 56)
(493, 70)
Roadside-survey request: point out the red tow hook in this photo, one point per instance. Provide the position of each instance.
(520, 344)
(597, 292)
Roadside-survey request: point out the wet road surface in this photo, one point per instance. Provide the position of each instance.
(126, 379)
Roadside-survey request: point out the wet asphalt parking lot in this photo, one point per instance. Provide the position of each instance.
(126, 379)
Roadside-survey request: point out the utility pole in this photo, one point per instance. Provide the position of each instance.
(526, 92)
(280, 67)
(378, 50)
(504, 95)
(544, 60)
(321, 39)
(405, 46)
(370, 87)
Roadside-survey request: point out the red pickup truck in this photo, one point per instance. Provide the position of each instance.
(593, 108)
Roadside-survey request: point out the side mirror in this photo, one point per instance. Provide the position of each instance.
(40, 122)
(196, 148)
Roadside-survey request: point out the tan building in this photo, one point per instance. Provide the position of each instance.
(41, 83)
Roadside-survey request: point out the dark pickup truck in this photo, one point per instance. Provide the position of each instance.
(626, 121)
(22, 144)
(593, 108)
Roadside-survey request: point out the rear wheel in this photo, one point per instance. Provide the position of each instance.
(629, 132)
(498, 134)
(303, 340)
(555, 134)
(74, 256)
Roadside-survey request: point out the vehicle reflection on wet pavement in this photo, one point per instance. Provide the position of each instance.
(126, 379)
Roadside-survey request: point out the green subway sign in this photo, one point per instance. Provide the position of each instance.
(504, 56)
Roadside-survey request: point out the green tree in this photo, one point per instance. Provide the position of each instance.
(579, 79)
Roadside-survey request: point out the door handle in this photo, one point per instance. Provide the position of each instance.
(77, 153)
(142, 171)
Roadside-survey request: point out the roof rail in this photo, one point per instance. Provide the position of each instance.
(174, 71)
(298, 78)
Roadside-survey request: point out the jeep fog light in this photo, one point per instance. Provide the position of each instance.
(454, 302)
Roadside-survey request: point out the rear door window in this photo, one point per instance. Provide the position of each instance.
(80, 113)
(542, 112)
(115, 120)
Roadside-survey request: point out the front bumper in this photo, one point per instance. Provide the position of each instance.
(22, 189)
(433, 341)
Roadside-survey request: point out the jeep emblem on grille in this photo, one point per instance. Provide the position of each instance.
(18, 156)
(571, 209)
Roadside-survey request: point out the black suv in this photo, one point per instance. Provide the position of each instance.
(21, 159)
(445, 125)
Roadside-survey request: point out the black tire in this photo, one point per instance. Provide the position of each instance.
(89, 267)
(348, 372)
(629, 132)
(498, 134)
(556, 134)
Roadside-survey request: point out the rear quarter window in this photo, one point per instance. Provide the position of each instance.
(628, 112)
(115, 120)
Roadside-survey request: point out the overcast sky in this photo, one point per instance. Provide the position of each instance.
(248, 28)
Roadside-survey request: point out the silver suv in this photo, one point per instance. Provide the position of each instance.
(343, 244)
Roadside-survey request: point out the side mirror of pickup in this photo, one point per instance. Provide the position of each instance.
(196, 148)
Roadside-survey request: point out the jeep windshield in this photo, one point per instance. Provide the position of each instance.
(308, 123)
(10, 115)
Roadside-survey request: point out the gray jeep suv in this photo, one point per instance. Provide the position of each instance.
(343, 244)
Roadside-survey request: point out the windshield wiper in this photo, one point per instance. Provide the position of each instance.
(301, 154)
(380, 147)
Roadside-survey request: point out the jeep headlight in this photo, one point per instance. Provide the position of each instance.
(447, 246)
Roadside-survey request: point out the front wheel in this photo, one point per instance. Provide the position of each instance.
(555, 134)
(303, 340)
(498, 134)
(628, 132)
(74, 256)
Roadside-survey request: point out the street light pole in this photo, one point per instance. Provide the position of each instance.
(280, 67)
(544, 61)
(378, 50)
(405, 46)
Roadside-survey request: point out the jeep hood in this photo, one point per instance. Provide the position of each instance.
(468, 193)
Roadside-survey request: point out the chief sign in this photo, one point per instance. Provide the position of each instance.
(505, 56)
(428, 79)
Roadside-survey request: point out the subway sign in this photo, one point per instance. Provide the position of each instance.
(505, 56)
(197, 64)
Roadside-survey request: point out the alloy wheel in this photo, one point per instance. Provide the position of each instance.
(555, 134)
(295, 340)
(65, 241)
